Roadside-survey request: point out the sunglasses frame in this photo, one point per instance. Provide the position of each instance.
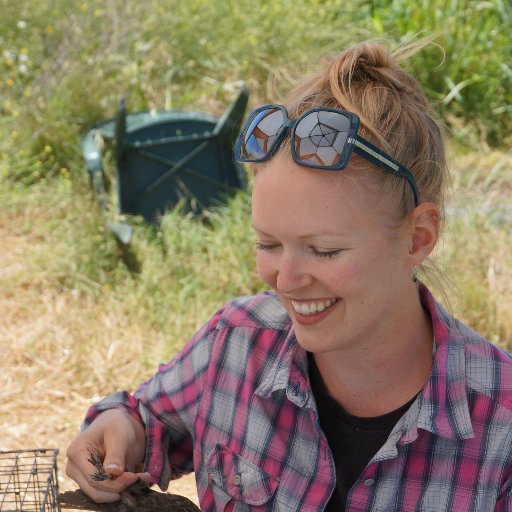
(354, 142)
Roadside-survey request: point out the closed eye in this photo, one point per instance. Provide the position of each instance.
(325, 254)
(264, 247)
(260, 246)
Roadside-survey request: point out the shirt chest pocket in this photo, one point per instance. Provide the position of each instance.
(235, 478)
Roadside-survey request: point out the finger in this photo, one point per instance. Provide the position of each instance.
(116, 447)
(146, 477)
(79, 454)
(89, 486)
(124, 441)
(104, 491)
(115, 485)
(80, 469)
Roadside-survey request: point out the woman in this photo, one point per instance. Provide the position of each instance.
(347, 387)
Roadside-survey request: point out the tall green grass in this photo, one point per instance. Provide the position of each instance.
(469, 75)
(63, 65)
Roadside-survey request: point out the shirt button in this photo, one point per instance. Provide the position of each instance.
(237, 480)
(368, 482)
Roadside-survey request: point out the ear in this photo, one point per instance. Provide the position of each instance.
(425, 222)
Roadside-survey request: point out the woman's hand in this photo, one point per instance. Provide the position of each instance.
(120, 441)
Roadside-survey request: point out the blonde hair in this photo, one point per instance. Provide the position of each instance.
(394, 114)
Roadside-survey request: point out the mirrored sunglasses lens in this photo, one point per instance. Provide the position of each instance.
(320, 138)
(262, 133)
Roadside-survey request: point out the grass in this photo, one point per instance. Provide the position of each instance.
(478, 244)
(81, 316)
(474, 81)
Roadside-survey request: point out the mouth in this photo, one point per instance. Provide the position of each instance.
(312, 307)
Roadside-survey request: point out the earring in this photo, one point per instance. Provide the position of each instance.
(414, 275)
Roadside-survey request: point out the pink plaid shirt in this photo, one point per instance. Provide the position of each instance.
(236, 407)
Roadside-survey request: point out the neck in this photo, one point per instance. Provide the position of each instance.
(384, 373)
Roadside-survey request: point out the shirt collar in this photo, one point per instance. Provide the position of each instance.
(442, 406)
(288, 371)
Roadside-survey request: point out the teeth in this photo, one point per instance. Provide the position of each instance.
(310, 308)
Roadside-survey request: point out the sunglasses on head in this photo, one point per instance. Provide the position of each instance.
(321, 138)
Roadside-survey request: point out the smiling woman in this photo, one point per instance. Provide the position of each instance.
(346, 387)
(326, 242)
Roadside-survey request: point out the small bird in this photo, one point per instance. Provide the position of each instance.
(137, 497)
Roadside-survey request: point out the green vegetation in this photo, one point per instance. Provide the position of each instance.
(82, 315)
(64, 64)
(472, 87)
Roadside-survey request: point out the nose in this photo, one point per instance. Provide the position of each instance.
(292, 274)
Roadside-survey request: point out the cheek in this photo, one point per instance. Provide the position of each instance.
(348, 276)
(365, 283)
(265, 268)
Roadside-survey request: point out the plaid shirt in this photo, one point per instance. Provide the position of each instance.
(236, 406)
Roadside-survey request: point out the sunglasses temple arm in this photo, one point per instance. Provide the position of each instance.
(377, 157)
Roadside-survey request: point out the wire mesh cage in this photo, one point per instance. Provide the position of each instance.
(28, 480)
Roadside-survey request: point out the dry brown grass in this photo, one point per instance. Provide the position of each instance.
(46, 335)
(477, 248)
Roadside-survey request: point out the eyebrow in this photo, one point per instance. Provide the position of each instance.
(308, 236)
(305, 236)
(259, 231)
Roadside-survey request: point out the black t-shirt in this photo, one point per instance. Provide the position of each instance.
(353, 440)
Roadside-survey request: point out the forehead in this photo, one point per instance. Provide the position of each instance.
(284, 191)
(283, 175)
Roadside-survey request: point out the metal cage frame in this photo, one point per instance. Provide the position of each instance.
(29, 480)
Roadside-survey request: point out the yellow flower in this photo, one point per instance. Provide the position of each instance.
(9, 82)
(50, 29)
(47, 149)
(84, 7)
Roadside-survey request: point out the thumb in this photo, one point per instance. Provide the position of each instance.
(115, 454)
(114, 464)
(122, 439)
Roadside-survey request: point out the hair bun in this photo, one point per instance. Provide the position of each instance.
(373, 62)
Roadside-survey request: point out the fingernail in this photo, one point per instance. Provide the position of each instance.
(113, 466)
